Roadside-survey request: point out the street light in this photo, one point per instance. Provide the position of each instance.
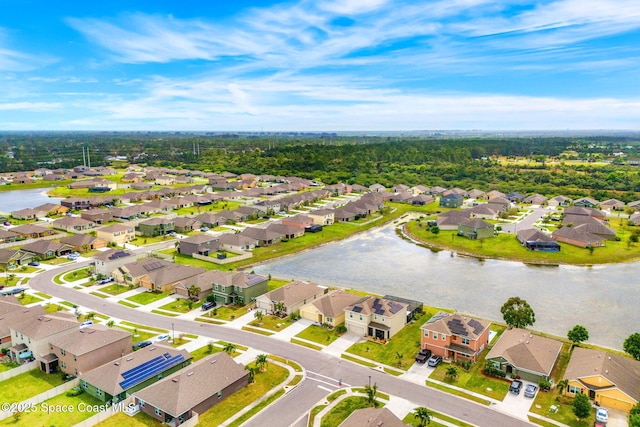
(369, 381)
(173, 334)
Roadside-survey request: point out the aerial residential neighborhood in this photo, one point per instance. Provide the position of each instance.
(178, 253)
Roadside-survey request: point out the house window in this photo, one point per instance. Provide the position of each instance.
(329, 319)
(574, 390)
(465, 341)
(85, 385)
(434, 335)
(76, 372)
(351, 315)
(444, 337)
(220, 394)
(375, 317)
(158, 411)
(361, 317)
(141, 403)
(222, 288)
(99, 392)
(215, 287)
(426, 334)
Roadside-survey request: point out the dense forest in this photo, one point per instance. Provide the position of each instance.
(583, 166)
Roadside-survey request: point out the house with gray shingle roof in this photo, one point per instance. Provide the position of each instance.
(329, 308)
(376, 317)
(455, 336)
(293, 295)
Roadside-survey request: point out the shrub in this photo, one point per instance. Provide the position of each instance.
(466, 365)
(545, 385)
(341, 329)
(76, 391)
(493, 372)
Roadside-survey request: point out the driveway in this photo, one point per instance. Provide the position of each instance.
(617, 418)
(516, 404)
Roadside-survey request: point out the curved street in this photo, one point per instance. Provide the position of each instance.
(294, 405)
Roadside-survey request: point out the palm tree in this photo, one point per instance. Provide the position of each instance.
(193, 292)
(452, 373)
(423, 415)
(258, 315)
(89, 316)
(252, 373)
(110, 323)
(261, 362)
(280, 308)
(399, 356)
(229, 348)
(372, 392)
(562, 386)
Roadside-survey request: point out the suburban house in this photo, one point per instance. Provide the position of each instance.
(156, 226)
(298, 221)
(329, 309)
(579, 235)
(192, 390)
(47, 249)
(83, 242)
(233, 242)
(162, 277)
(131, 272)
(420, 200)
(132, 372)
(110, 260)
(535, 240)
(494, 194)
(560, 201)
(28, 213)
(634, 219)
(98, 216)
(454, 336)
(419, 189)
(286, 231)
(86, 349)
(477, 194)
(52, 209)
(291, 297)
(451, 219)
(76, 202)
(515, 197)
(12, 258)
(30, 338)
(201, 244)
(485, 211)
(377, 188)
(13, 312)
(73, 224)
(475, 229)
(226, 287)
(612, 204)
(586, 202)
(118, 234)
(520, 353)
(8, 236)
(372, 417)
(32, 231)
(263, 236)
(535, 199)
(375, 317)
(609, 379)
(185, 225)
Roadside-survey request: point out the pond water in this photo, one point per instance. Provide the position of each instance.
(20, 199)
(604, 299)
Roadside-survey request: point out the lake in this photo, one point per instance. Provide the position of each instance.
(19, 199)
(603, 298)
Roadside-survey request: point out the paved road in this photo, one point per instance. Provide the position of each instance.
(527, 222)
(324, 367)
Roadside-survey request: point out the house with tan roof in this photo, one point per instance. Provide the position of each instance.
(86, 349)
(226, 287)
(118, 234)
(158, 277)
(33, 231)
(454, 336)
(46, 249)
(74, 224)
(236, 243)
(83, 242)
(376, 317)
(293, 295)
(132, 372)
(608, 379)
(192, 390)
(12, 312)
(519, 352)
(107, 261)
(373, 417)
(329, 309)
(30, 338)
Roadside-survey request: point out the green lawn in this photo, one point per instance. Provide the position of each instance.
(564, 414)
(264, 382)
(226, 312)
(273, 323)
(276, 283)
(142, 241)
(181, 306)
(139, 420)
(42, 295)
(26, 299)
(318, 334)
(506, 246)
(57, 261)
(127, 304)
(203, 352)
(145, 298)
(52, 308)
(7, 366)
(28, 384)
(406, 343)
(343, 409)
(138, 335)
(411, 420)
(58, 418)
(75, 275)
(114, 289)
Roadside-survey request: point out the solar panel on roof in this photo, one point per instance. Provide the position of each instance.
(477, 326)
(379, 311)
(357, 309)
(142, 366)
(151, 369)
(395, 307)
(457, 327)
(153, 266)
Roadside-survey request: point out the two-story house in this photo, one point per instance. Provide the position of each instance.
(454, 336)
(157, 226)
(376, 317)
(118, 234)
(201, 244)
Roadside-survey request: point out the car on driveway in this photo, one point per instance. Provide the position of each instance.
(34, 263)
(516, 386)
(423, 355)
(12, 291)
(141, 344)
(161, 338)
(434, 361)
(105, 280)
(530, 391)
(602, 415)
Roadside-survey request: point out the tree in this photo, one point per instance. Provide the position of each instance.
(372, 391)
(110, 323)
(435, 229)
(517, 313)
(423, 415)
(210, 346)
(258, 315)
(452, 373)
(634, 416)
(193, 292)
(252, 373)
(581, 406)
(90, 315)
(261, 362)
(399, 357)
(280, 308)
(632, 345)
(562, 386)
(578, 334)
(229, 348)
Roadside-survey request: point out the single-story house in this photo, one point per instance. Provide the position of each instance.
(612, 204)
(451, 200)
(520, 353)
(226, 287)
(329, 309)
(201, 244)
(561, 201)
(372, 417)
(73, 224)
(536, 240)
(586, 202)
(185, 225)
(234, 242)
(476, 229)
(84, 242)
(33, 231)
(28, 213)
(291, 296)
(46, 249)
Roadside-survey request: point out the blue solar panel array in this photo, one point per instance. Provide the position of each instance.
(148, 369)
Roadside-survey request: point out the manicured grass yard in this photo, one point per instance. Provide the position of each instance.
(139, 335)
(272, 323)
(57, 261)
(343, 409)
(564, 414)
(142, 241)
(181, 306)
(411, 420)
(318, 334)
(28, 384)
(26, 299)
(7, 366)
(226, 312)
(58, 418)
(276, 283)
(144, 298)
(75, 275)
(264, 382)
(114, 289)
(52, 308)
(121, 419)
(203, 352)
(406, 342)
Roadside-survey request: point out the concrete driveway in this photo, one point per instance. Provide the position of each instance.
(617, 418)
(516, 404)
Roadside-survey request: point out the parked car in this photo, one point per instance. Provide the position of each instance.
(34, 264)
(162, 338)
(434, 360)
(204, 229)
(141, 344)
(105, 280)
(73, 256)
(423, 355)
(530, 391)
(86, 323)
(12, 291)
(208, 305)
(516, 386)
(602, 415)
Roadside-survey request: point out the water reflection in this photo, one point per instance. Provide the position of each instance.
(601, 298)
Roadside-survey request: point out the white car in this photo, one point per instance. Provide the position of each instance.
(161, 338)
(602, 415)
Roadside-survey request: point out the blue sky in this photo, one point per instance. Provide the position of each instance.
(333, 65)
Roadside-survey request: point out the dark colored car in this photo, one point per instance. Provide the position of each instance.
(530, 391)
(208, 305)
(11, 291)
(434, 361)
(34, 263)
(141, 344)
(515, 387)
(423, 355)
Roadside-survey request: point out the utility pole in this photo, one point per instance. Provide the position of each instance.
(88, 158)
(84, 160)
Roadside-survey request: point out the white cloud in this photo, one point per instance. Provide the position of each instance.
(30, 106)
(351, 7)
